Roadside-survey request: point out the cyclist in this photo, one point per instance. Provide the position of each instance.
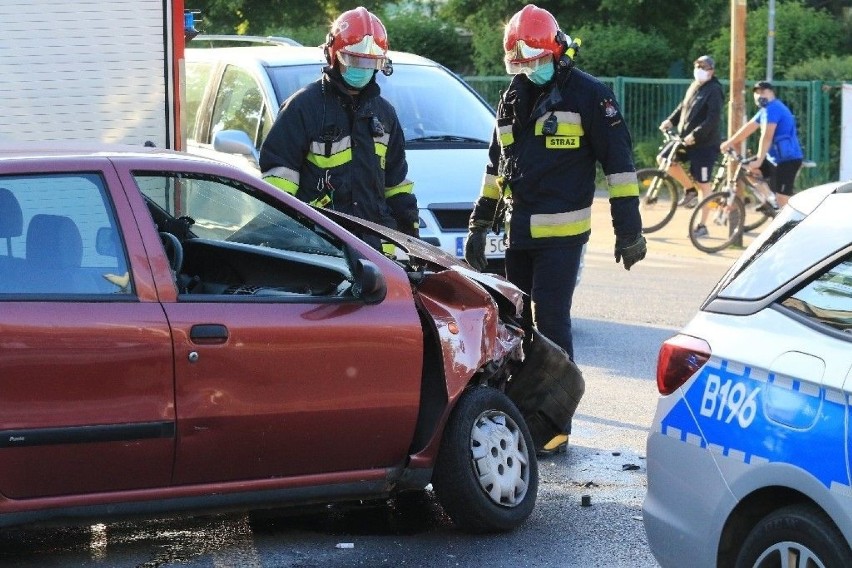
(698, 119)
(779, 153)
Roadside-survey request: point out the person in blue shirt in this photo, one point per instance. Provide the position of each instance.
(779, 153)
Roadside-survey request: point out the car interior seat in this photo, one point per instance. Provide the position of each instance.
(11, 219)
(54, 254)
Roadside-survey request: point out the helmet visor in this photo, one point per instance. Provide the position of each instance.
(527, 66)
(361, 61)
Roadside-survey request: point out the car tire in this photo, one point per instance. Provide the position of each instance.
(796, 531)
(486, 476)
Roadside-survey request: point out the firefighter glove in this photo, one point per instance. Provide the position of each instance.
(474, 249)
(632, 249)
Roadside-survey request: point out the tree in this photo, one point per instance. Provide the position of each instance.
(611, 50)
(428, 37)
(268, 17)
(801, 33)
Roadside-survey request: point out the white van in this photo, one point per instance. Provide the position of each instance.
(233, 95)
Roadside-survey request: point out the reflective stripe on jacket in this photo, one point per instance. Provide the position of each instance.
(544, 154)
(331, 149)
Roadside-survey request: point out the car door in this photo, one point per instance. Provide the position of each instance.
(86, 380)
(274, 376)
(824, 302)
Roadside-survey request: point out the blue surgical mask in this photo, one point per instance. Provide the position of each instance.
(356, 77)
(541, 75)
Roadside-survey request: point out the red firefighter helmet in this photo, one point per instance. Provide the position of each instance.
(531, 38)
(357, 39)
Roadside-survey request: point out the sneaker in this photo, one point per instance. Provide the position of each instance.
(690, 199)
(557, 445)
(700, 231)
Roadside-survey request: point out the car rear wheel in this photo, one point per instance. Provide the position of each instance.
(798, 536)
(486, 477)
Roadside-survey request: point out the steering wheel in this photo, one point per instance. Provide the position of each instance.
(174, 250)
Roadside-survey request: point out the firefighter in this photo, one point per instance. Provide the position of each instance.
(554, 124)
(338, 143)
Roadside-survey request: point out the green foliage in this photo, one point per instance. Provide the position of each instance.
(830, 68)
(429, 38)
(645, 152)
(801, 33)
(269, 17)
(612, 50)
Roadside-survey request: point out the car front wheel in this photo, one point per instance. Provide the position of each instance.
(797, 536)
(486, 476)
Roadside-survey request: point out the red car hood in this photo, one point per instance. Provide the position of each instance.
(429, 255)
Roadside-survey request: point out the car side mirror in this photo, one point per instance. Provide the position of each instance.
(235, 142)
(368, 284)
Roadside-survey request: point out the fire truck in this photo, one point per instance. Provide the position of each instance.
(93, 70)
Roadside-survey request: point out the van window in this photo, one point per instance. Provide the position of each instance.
(239, 105)
(197, 77)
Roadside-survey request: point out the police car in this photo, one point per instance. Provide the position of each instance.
(750, 451)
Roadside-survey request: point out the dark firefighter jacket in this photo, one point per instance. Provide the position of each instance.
(543, 154)
(332, 149)
(700, 113)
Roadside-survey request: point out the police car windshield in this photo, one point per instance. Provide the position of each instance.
(793, 243)
(433, 105)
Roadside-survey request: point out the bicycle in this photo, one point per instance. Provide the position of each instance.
(735, 207)
(659, 191)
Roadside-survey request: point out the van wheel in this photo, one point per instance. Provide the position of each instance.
(486, 476)
(797, 535)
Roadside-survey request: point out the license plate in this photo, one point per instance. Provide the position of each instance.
(495, 247)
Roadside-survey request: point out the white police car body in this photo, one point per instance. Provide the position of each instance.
(749, 452)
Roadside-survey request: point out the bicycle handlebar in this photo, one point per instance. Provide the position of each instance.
(739, 157)
(672, 135)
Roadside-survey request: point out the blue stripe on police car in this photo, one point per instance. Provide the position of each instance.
(760, 417)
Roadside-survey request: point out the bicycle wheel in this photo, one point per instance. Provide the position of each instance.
(753, 217)
(717, 222)
(657, 198)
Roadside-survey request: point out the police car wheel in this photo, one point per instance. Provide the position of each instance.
(797, 535)
(486, 476)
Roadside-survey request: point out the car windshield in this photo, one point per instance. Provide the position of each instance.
(792, 244)
(432, 104)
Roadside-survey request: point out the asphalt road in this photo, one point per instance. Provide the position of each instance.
(620, 319)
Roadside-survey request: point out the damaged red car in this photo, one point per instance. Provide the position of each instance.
(177, 336)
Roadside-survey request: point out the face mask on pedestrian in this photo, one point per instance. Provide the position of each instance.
(356, 77)
(762, 101)
(541, 75)
(701, 75)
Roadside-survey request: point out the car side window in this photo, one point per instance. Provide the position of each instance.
(58, 236)
(235, 245)
(828, 298)
(239, 104)
(197, 77)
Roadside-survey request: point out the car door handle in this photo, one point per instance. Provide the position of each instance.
(207, 333)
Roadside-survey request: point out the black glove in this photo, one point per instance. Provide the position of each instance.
(632, 249)
(474, 250)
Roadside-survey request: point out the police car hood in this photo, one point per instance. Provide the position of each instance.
(427, 254)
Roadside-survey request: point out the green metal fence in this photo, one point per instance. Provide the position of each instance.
(646, 102)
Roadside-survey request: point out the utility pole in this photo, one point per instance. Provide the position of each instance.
(736, 104)
(770, 42)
